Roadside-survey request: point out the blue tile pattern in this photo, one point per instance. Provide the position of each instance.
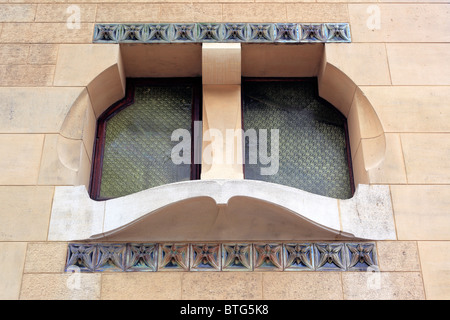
(222, 32)
(259, 256)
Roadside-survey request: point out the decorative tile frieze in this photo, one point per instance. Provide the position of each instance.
(110, 257)
(361, 256)
(205, 257)
(289, 256)
(142, 257)
(330, 256)
(222, 32)
(287, 32)
(173, 257)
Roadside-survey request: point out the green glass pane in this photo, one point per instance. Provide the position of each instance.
(312, 144)
(138, 145)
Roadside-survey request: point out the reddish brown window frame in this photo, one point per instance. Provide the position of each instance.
(128, 100)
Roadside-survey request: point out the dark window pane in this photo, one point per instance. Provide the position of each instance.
(312, 136)
(137, 150)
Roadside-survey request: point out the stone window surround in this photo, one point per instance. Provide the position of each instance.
(368, 215)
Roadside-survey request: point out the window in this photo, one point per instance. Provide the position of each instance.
(313, 140)
(133, 145)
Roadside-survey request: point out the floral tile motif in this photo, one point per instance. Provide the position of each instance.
(287, 32)
(330, 256)
(173, 257)
(289, 256)
(81, 257)
(298, 256)
(221, 32)
(361, 256)
(205, 257)
(106, 33)
(263, 32)
(141, 257)
(268, 256)
(312, 33)
(237, 257)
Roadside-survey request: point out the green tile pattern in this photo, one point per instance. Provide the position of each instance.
(312, 144)
(138, 142)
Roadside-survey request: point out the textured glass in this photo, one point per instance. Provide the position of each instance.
(312, 144)
(138, 145)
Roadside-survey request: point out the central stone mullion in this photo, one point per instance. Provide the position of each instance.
(222, 156)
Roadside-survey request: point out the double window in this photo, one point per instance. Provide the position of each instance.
(133, 149)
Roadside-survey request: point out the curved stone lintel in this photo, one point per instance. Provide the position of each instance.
(212, 210)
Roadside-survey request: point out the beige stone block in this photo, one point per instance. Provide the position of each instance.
(17, 12)
(427, 66)
(26, 75)
(61, 286)
(337, 88)
(394, 22)
(12, 257)
(263, 60)
(45, 257)
(364, 63)
(142, 286)
(411, 108)
(35, 110)
(425, 157)
(162, 60)
(255, 12)
(43, 54)
(14, 53)
(50, 12)
(316, 12)
(45, 32)
(63, 162)
(221, 63)
(421, 212)
(20, 156)
(25, 213)
(127, 12)
(382, 286)
(302, 286)
(79, 65)
(435, 264)
(391, 169)
(398, 256)
(221, 285)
